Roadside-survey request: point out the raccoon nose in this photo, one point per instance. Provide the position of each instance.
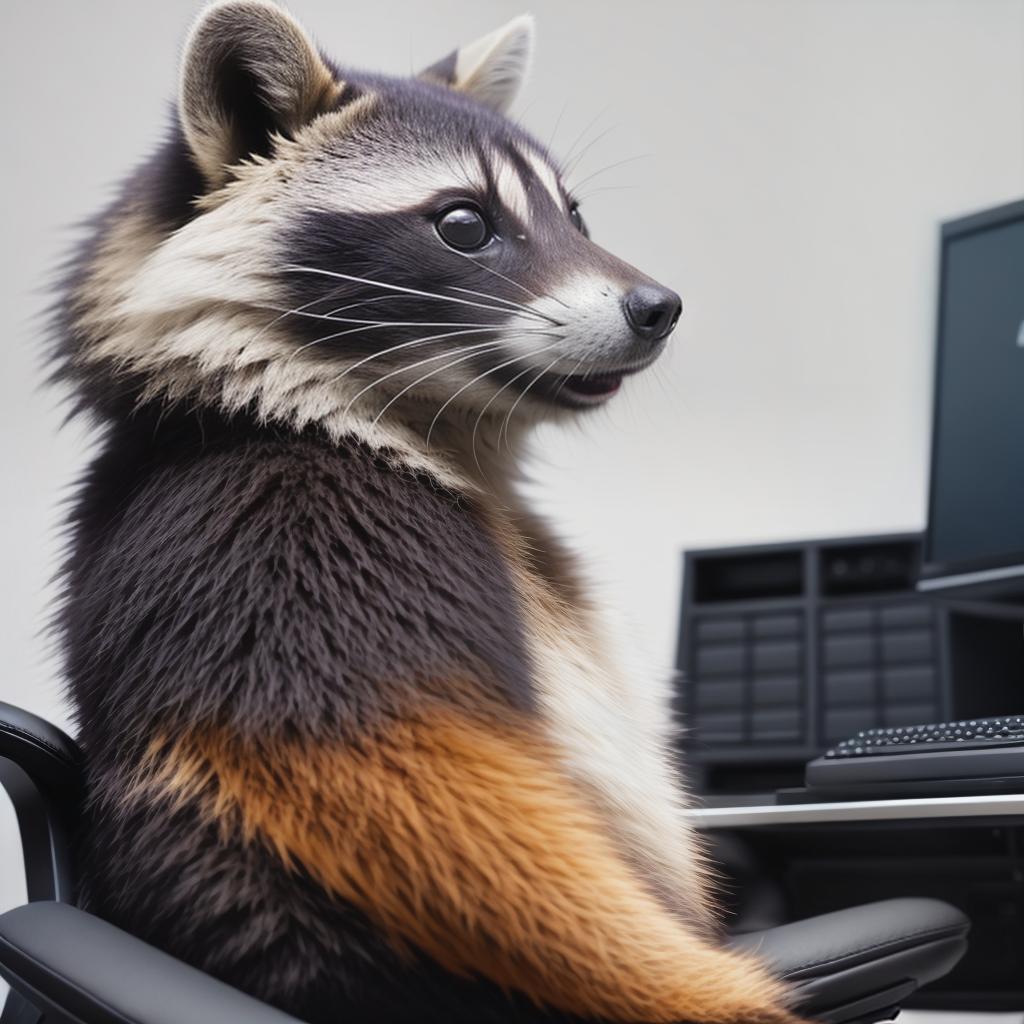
(652, 311)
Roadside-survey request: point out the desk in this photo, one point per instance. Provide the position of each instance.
(796, 860)
(748, 815)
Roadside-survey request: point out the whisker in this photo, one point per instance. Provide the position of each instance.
(402, 345)
(515, 284)
(515, 404)
(365, 302)
(373, 325)
(511, 302)
(582, 196)
(445, 298)
(412, 366)
(590, 124)
(470, 353)
(394, 323)
(609, 167)
(392, 287)
(571, 165)
(479, 377)
(483, 411)
(337, 334)
(289, 312)
(520, 118)
(558, 124)
(571, 373)
(398, 298)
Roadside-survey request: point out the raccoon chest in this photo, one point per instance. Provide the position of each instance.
(617, 753)
(589, 716)
(611, 728)
(610, 736)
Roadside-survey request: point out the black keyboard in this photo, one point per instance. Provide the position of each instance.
(914, 739)
(977, 753)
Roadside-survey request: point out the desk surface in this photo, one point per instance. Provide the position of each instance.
(766, 814)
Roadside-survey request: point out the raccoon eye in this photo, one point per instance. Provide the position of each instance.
(463, 228)
(577, 220)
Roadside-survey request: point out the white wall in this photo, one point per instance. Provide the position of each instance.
(799, 156)
(803, 153)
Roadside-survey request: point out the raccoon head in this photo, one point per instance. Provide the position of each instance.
(319, 245)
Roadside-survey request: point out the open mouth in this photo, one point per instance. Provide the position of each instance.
(583, 390)
(589, 389)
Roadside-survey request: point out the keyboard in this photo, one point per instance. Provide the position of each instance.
(973, 753)
(979, 733)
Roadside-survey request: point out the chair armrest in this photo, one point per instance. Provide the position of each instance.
(85, 971)
(850, 963)
(49, 756)
(42, 770)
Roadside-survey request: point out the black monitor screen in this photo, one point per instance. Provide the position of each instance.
(976, 517)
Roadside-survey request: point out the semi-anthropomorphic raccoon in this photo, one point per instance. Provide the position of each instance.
(355, 742)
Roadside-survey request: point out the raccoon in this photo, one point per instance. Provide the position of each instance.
(356, 741)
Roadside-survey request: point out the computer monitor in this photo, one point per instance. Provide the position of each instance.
(974, 542)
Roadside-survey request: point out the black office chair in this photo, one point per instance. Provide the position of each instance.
(67, 967)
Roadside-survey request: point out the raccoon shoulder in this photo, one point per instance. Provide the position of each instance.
(271, 580)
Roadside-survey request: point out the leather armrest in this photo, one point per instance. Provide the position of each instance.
(49, 757)
(850, 961)
(86, 971)
(42, 770)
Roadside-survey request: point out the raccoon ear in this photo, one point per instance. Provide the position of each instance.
(493, 68)
(249, 70)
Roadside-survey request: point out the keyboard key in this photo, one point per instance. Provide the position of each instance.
(934, 736)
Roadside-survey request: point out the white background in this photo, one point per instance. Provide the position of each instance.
(794, 160)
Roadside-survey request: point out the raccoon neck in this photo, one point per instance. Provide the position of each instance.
(487, 454)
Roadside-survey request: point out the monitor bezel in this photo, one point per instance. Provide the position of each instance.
(1009, 567)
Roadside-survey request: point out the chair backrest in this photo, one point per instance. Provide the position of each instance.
(42, 769)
